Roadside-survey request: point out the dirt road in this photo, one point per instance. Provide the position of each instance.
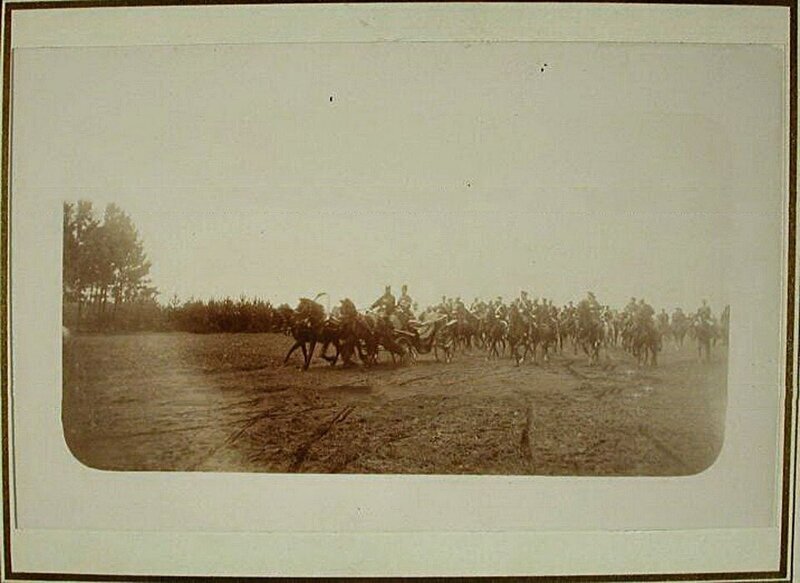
(225, 403)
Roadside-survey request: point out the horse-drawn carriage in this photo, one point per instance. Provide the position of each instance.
(351, 333)
(437, 335)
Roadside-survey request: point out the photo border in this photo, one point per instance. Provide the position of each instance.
(789, 442)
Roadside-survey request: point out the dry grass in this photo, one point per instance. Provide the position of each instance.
(225, 403)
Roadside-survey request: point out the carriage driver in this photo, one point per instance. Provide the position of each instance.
(405, 306)
(385, 304)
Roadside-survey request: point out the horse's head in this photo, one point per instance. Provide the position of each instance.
(309, 311)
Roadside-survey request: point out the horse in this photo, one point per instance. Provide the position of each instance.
(679, 328)
(567, 326)
(331, 335)
(518, 334)
(355, 334)
(590, 338)
(546, 334)
(466, 330)
(384, 336)
(444, 341)
(704, 332)
(496, 330)
(647, 344)
(307, 325)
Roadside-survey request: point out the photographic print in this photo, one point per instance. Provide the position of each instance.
(460, 289)
(488, 258)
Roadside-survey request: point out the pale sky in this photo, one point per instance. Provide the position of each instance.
(284, 170)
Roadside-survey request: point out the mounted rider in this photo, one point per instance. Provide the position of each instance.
(500, 309)
(644, 313)
(478, 308)
(460, 311)
(570, 311)
(593, 305)
(630, 311)
(552, 312)
(704, 313)
(385, 305)
(525, 302)
(663, 321)
(443, 309)
(588, 312)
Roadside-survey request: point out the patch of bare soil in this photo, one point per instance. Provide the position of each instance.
(226, 403)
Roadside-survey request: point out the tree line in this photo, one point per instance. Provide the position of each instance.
(106, 284)
(227, 315)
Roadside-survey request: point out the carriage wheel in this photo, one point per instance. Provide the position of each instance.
(407, 356)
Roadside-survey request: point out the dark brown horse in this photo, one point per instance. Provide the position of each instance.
(544, 335)
(307, 327)
(518, 335)
(496, 330)
(466, 330)
(383, 333)
(352, 335)
(590, 338)
(647, 344)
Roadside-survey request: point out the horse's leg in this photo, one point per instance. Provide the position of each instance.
(305, 354)
(347, 350)
(363, 357)
(312, 346)
(323, 353)
(296, 345)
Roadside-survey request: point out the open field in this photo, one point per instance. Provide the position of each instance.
(224, 403)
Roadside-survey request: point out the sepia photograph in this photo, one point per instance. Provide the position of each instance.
(433, 289)
(446, 268)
